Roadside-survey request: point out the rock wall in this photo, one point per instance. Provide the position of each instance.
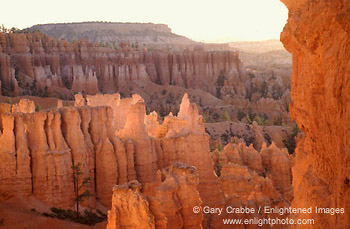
(163, 204)
(317, 34)
(40, 148)
(251, 178)
(130, 209)
(34, 62)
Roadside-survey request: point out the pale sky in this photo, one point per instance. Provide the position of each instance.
(200, 20)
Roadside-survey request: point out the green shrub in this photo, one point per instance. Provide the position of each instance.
(9, 101)
(67, 104)
(249, 121)
(204, 120)
(277, 120)
(218, 161)
(218, 167)
(225, 116)
(261, 121)
(88, 217)
(219, 145)
(37, 107)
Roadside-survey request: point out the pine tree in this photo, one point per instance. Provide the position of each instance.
(225, 116)
(78, 196)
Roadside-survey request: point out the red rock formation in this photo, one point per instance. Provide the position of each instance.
(82, 66)
(24, 106)
(144, 147)
(317, 35)
(259, 138)
(178, 135)
(168, 204)
(40, 149)
(59, 103)
(271, 162)
(79, 100)
(154, 146)
(278, 164)
(255, 179)
(15, 170)
(129, 208)
(48, 143)
(120, 107)
(54, 140)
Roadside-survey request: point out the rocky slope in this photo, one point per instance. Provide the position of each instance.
(317, 34)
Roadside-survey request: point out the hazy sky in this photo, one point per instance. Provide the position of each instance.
(201, 20)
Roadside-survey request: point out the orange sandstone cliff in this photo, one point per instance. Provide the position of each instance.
(116, 142)
(39, 148)
(317, 34)
(164, 204)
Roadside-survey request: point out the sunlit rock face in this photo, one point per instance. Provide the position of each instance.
(317, 34)
(113, 147)
(24, 106)
(250, 178)
(130, 209)
(116, 143)
(166, 204)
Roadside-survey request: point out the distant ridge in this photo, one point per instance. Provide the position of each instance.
(113, 32)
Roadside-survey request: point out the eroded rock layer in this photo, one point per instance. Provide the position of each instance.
(115, 142)
(162, 204)
(37, 62)
(317, 34)
(39, 148)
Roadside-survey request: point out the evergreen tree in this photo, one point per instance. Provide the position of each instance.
(78, 196)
